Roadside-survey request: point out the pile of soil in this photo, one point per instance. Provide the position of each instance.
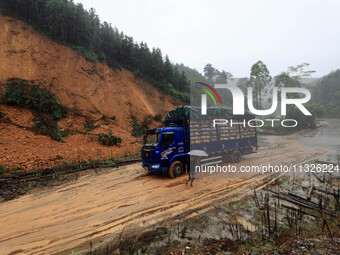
(109, 98)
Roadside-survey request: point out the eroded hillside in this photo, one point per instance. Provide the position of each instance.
(108, 99)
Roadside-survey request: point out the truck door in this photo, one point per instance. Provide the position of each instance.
(168, 148)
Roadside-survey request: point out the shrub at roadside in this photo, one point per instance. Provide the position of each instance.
(109, 139)
(158, 117)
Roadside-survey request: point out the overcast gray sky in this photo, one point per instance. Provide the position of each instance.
(232, 35)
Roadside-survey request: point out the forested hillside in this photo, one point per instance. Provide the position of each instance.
(192, 74)
(69, 23)
(327, 94)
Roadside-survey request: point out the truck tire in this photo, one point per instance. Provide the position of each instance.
(176, 169)
(236, 156)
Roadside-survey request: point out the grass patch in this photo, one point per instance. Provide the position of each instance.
(258, 246)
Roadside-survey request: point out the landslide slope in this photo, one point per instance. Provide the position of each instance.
(107, 98)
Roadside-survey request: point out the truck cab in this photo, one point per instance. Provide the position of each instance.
(165, 149)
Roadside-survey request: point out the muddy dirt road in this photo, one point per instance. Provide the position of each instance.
(99, 207)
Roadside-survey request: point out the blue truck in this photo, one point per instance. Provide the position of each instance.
(165, 149)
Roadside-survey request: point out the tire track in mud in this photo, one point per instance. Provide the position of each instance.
(99, 207)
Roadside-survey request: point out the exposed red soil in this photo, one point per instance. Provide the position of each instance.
(94, 89)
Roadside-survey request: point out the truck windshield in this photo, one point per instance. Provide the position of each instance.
(151, 139)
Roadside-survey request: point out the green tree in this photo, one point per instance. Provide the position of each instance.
(327, 94)
(222, 77)
(157, 64)
(292, 78)
(209, 72)
(259, 81)
(298, 72)
(168, 70)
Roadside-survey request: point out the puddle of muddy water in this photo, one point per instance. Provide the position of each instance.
(327, 136)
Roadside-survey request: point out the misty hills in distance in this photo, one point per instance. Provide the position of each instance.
(196, 76)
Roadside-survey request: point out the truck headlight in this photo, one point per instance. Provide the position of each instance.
(155, 166)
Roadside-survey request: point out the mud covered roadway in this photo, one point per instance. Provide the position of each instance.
(97, 208)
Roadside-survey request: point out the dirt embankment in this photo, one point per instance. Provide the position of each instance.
(93, 89)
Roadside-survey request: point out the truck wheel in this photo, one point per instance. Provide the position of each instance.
(176, 169)
(236, 156)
